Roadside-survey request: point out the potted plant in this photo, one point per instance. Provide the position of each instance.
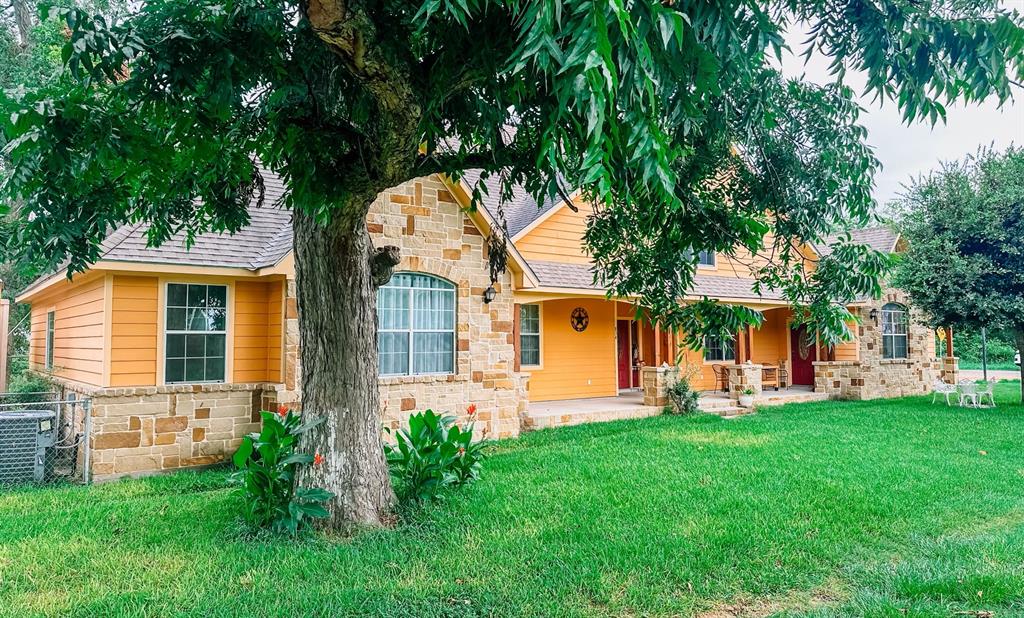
(747, 397)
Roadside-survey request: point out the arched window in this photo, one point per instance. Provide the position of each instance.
(894, 331)
(416, 325)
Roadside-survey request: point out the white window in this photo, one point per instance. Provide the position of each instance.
(894, 331)
(416, 325)
(529, 335)
(48, 358)
(195, 331)
(719, 349)
(706, 258)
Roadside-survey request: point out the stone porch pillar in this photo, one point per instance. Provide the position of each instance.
(655, 383)
(744, 375)
(950, 370)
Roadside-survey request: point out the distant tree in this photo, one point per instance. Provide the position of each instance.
(964, 225)
(647, 106)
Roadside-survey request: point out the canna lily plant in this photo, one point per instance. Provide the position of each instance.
(268, 463)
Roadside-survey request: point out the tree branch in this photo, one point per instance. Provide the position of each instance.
(383, 263)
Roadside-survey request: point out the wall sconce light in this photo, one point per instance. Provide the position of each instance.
(873, 314)
(489, 294)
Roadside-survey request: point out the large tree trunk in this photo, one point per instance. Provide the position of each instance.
(337, 306)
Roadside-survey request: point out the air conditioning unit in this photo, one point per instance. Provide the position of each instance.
(26, 438)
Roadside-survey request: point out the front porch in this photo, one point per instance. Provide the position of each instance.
(630, 404)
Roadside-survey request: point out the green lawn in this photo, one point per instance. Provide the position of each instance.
(890, 508)
(992, 366)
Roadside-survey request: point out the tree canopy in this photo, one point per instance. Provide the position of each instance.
(668, 115)
(964, 265)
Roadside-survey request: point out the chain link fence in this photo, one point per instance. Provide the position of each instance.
(43, 438)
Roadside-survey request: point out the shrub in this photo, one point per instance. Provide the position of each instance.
(682, 398)
(433, 453)
(268, 463)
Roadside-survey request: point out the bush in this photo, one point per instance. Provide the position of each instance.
(23, 380)
(681, 396)
(268, 463)
(433, 453)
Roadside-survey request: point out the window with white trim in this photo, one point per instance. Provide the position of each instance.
(195, 333)
(529, 335)
(416, 325)
(48, 356)
(718, 348)
(706, 258)
(895, 326)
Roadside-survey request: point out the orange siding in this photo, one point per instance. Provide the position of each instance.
(575, 365)
(770, 342)
(78, 331)
(135, 326)
(559, 238)
(849, 351)
(257, 338)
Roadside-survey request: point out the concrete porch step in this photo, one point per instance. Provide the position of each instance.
(731, 412)
(545, 419)
(770, 398)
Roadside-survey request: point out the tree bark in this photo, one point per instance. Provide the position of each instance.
(337, 305)
(23, 10)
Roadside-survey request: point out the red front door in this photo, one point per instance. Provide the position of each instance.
(622, 337)
(802, 353)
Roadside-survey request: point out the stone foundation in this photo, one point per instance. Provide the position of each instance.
(858, 380)
(150, 429)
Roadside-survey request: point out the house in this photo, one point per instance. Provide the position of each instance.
(178, 350)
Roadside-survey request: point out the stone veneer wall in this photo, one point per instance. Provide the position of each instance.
(436, 237)
(149, 429)
(872, 377)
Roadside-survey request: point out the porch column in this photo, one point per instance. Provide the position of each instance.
(657, 344)
(740, 348)
(675, 348)
(750, 342)
(949, 368)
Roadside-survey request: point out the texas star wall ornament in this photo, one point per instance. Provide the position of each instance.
(579, 319)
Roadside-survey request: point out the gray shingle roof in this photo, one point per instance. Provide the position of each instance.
(879, 238)
(520, 211)
(264, 242)
(580, 276)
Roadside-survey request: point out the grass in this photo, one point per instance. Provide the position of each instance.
(992, 366)
(885, 508)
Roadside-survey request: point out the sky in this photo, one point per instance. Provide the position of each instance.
(907, 152)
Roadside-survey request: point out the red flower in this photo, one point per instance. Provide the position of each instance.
(318, 459)
(282, 411)
(471, 409)
(462, 451)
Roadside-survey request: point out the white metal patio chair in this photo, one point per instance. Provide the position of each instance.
(968, 393)
(987, 390)
(943, 389)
